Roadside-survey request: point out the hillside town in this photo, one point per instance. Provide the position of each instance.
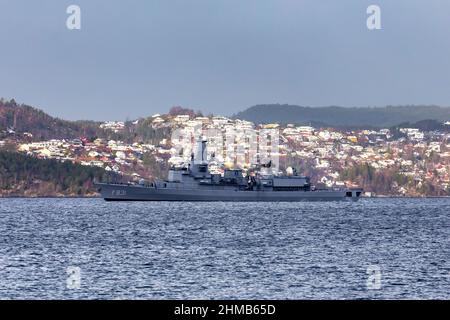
(407, 161)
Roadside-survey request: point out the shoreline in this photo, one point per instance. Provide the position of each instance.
(99, 197)
(51, 197)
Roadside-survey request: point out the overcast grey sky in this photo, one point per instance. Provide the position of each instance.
(139, 57)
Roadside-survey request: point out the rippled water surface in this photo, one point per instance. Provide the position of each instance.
(224, 250)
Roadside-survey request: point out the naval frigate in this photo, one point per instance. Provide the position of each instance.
(196, 183)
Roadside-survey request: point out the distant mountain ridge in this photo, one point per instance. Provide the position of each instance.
(24, 118)
(334, 116)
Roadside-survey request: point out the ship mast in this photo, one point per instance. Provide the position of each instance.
(201, 156)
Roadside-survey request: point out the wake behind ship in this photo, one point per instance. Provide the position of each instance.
(197, 183)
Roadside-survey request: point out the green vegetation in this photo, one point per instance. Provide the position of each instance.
(383, 182)
(21, 175)
(158, 169)
(389, 181)
(23, 118)
(146, 133)
(369, 178)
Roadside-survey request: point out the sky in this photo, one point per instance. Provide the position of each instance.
(140, 57)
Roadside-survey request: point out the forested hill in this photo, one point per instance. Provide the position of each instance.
(384, 117)
(24, 118)
(22, 175)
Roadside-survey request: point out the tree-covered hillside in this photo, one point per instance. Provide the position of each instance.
(21, 175)
(22, 118)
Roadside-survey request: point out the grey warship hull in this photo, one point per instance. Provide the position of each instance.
(197, 183)
(124, 192)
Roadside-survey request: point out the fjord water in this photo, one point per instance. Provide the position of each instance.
(162, 250)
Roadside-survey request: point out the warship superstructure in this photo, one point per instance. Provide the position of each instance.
(195, 182)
